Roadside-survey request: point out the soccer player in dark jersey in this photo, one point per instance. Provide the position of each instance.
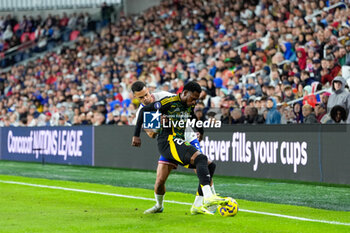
(164, 167)
(171, 141)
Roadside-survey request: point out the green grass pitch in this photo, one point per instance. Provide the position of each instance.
(89, 203)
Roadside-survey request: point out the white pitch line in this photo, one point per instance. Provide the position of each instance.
(169, 201)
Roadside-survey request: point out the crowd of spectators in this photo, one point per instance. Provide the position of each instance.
(36, 34)
(182, 40)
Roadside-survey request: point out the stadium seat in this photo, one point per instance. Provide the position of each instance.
(24, 35)
(32, 36)
(74, 35)
(16, 28)
(126, 103)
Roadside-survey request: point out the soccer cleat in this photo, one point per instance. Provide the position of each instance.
(215, 200)
(200, 210)
(154, 209)
(212, 208)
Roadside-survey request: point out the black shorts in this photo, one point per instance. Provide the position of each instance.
(176, 150)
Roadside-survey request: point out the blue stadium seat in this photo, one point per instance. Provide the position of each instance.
(126, 103)
(113, 103)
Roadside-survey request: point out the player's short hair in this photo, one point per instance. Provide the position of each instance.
(137, 86)
(193, 87)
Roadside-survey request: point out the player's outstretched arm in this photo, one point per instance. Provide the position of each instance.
(136, 141)
(161, 105)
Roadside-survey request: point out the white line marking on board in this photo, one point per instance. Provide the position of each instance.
(169, 201)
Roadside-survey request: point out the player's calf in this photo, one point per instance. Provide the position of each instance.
(201, 164)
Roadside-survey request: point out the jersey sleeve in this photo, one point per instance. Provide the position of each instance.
(161, 95)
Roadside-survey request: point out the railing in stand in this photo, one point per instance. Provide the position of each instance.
(326, 9)
(301, 98)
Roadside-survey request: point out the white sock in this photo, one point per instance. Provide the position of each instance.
(207, 191)
(213, 189)
(198, 201)
(159, 199)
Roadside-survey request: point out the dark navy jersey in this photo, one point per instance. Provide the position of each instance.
(175, 110)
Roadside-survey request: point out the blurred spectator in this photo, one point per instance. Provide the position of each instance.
(305, 78)
(332, 71)
(48, 116)
(236, 116)
(288, 93)
(301, 54)
(7, 35)
(31, 121)
(211, 116)
(252, 116)
(340, 96)
(347, 56)
(273, 115)
(123, 120)
(106, 13)
(225, 113)
(317, 70)
(199, 114)
(288, 51)
(297, 109)
(325, 97)
(320, 112)
(62, 120)
(338, 114)
(309, 115)
(288, 116)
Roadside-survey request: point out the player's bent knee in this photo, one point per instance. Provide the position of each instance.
(194, 157)
(201, 159)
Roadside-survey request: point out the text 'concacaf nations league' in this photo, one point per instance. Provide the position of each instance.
(49, 142)
(241, 150)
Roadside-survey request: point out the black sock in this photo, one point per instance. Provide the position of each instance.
(201, 163)
(211, 168)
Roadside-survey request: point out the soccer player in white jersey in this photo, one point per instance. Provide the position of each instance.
(164, 168)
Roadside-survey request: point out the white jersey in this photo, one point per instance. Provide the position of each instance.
(190, 135)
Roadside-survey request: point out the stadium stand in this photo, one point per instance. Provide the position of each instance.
(9, 5)
(243, 54)
(23, 38)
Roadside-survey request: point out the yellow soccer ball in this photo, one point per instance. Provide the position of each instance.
(230, 209)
